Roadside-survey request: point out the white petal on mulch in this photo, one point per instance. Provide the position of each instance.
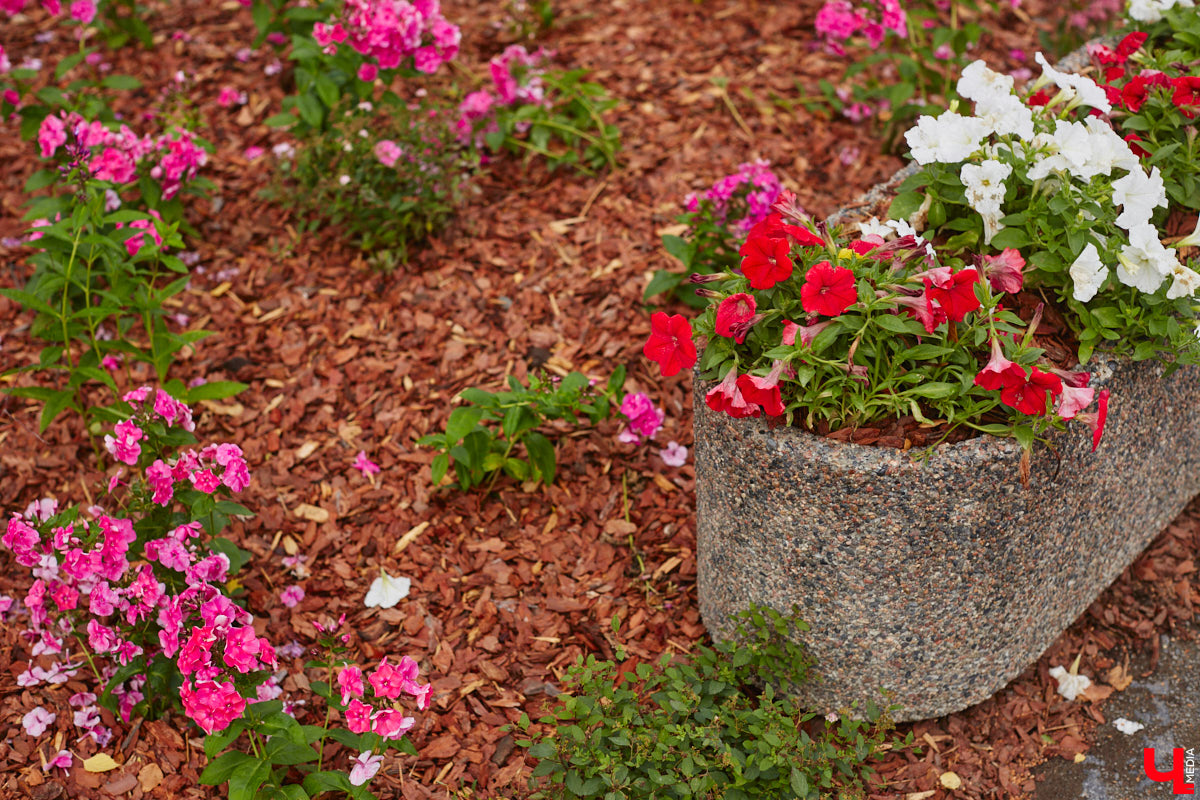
(1127, 726)
(386, 591)
(1070, 686)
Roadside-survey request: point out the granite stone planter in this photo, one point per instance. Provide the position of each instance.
(943, 580)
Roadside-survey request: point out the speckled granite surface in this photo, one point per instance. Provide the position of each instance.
(939, 581)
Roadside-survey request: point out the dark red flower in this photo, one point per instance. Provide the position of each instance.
(1039, 98)
(766, 261)
(956, 295)
(670, 343)
(1187, 95)
(1004, 271)
(1031, 396)
(1096, 419)
(732, 313)
(1134, 93)
(999, 372)
(773, 226)
(1138, 150)
(1130, 45)
(762, 392)
(727, 397)
(828, 290)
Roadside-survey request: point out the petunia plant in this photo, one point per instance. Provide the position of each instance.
(834, 332)
(1042, 172)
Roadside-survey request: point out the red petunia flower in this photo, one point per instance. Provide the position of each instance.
(1096, 419)
(999, 372)
(1138, 150)
(732, 314)
(670, 343)
(773, 227)
(1187, 95)
(1131, 44)
(1030, 397)
(828, 290)
(956, 295)
(727, 396)
(766, 261)
(762, 392)
(1004, 271)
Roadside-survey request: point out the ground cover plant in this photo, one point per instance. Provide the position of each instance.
(533, 271)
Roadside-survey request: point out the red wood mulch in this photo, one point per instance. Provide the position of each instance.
(509, 589)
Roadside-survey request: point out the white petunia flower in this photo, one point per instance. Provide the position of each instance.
(1070, 686)
(1152, 10)
(985, 193)
(983, 84)
(386, 591)
(1138, 194)
(1074, 87)
(1088, 273)
(947, 139)
(1127, 726)
(1192, 239)
(1007, 116)
(1144, 262)
(1185, 283)
(873, 227)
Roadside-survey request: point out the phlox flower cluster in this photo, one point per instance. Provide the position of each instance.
(741, 200)
(390, 32)
(839, 20)
(1065, 157)
(92, 585)
(388, 682)
(642, 419)
(516, 80)
(116, 156)
(225, 643)
(82, 11)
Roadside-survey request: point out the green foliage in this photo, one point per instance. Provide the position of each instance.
(718, 724)
(708, 247)
(92, 299)
(1163, 130)
(903, 78)
(338, 178)
(482, 435)
(569, 130)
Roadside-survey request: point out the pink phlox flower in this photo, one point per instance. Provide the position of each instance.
(196, 652)
(41, 510)
(187, 531)
(161, 481)
(205, 480)
(211, 705)
(62, 759)
(291, 596)
(81, 699)
(230, 96)
(644, 420)
(169, 552)
(23, 541)
(187, 462)
(103, 599)
(241, 649)
(296, 565)
(101, 638)
(220, 613)
(358, 716)
(350, 680)
(391, 723)
(170, 623)
(134, 243)
(388, 152)
(52, 134)
(674, 454)
(64, 596)
(364, 768)
(124, 445)
(210, 569)
(37, 721)
(136, 395)
(364, 465)
(87, 717)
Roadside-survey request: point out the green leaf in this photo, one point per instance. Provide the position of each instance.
(246, 779)
(462, 421)
(1010, 237)
(905, 204)
(437, 470)
(121, 82)
(282, 120)
(55, 406)
(216, 742)
(935, 390)
(215, 390)
(663, 281)
(218, 771)
(282, 751)
(541, 453)
(678, 247)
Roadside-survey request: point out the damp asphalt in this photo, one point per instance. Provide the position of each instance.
(1167, 703)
